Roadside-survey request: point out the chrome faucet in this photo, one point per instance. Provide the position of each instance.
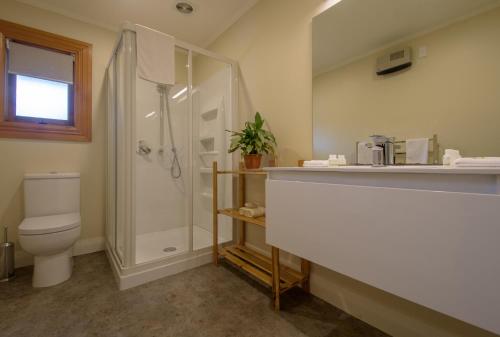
(383, 153)
(142, 148)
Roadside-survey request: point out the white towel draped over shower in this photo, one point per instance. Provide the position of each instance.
(155, 55)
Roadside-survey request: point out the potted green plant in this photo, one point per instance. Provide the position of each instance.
(253, 141)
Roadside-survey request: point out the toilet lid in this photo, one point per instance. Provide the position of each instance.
(49, 224)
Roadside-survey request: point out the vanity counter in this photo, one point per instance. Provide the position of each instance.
(430, 169)
(429, 234)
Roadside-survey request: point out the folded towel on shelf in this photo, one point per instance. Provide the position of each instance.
(316, 163)
(365, 155)
(252, 212)
(450, 155)
(250, 204)
(417, 151)
(477, 162)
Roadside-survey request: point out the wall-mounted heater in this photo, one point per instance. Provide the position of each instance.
(394, 61)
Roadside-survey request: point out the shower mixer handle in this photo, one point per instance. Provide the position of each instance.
(143, 149)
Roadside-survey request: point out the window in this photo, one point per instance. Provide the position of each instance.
(46, 88)
(32, 99)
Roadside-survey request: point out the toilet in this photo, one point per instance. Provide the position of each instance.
(51, 225)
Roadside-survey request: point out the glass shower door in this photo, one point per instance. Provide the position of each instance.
(212, 115)
(162, 176)
(118, 167)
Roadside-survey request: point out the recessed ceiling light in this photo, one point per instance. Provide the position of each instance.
(184, 7)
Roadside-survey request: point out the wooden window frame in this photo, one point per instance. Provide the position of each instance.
(79, 128)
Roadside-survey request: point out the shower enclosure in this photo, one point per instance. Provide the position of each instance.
(161, 144)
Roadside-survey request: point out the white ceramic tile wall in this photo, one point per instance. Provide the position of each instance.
(212, 117)
(161, 201)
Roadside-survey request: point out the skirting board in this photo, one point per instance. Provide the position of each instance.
(82, 246)
(143, 276)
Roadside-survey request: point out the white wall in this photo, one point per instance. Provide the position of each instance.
(19, 156)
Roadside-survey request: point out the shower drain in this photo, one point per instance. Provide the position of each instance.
(169, 249)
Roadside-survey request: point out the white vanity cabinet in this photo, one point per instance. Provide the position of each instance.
(427, 234)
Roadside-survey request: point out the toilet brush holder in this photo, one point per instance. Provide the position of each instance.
(7, 269)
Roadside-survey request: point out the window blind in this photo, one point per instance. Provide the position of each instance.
(40, 63)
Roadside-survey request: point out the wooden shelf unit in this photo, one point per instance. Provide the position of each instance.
(267, 270)
(260, 266)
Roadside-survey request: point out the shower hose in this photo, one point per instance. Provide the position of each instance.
(175, 168)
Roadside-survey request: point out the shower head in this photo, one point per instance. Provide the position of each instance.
(164, 88)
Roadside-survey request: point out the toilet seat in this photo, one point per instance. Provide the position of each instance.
(49, 224)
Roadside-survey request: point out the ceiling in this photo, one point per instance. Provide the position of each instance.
(354, 28)
(209, 19)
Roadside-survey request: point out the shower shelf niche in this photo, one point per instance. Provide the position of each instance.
(207, 139)
(261, 267)
(209, 153)
(209, 114)
(206, 195)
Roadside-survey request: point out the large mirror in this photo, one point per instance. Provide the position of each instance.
(408, 69)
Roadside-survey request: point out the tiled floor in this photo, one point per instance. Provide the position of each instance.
(206, 301)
